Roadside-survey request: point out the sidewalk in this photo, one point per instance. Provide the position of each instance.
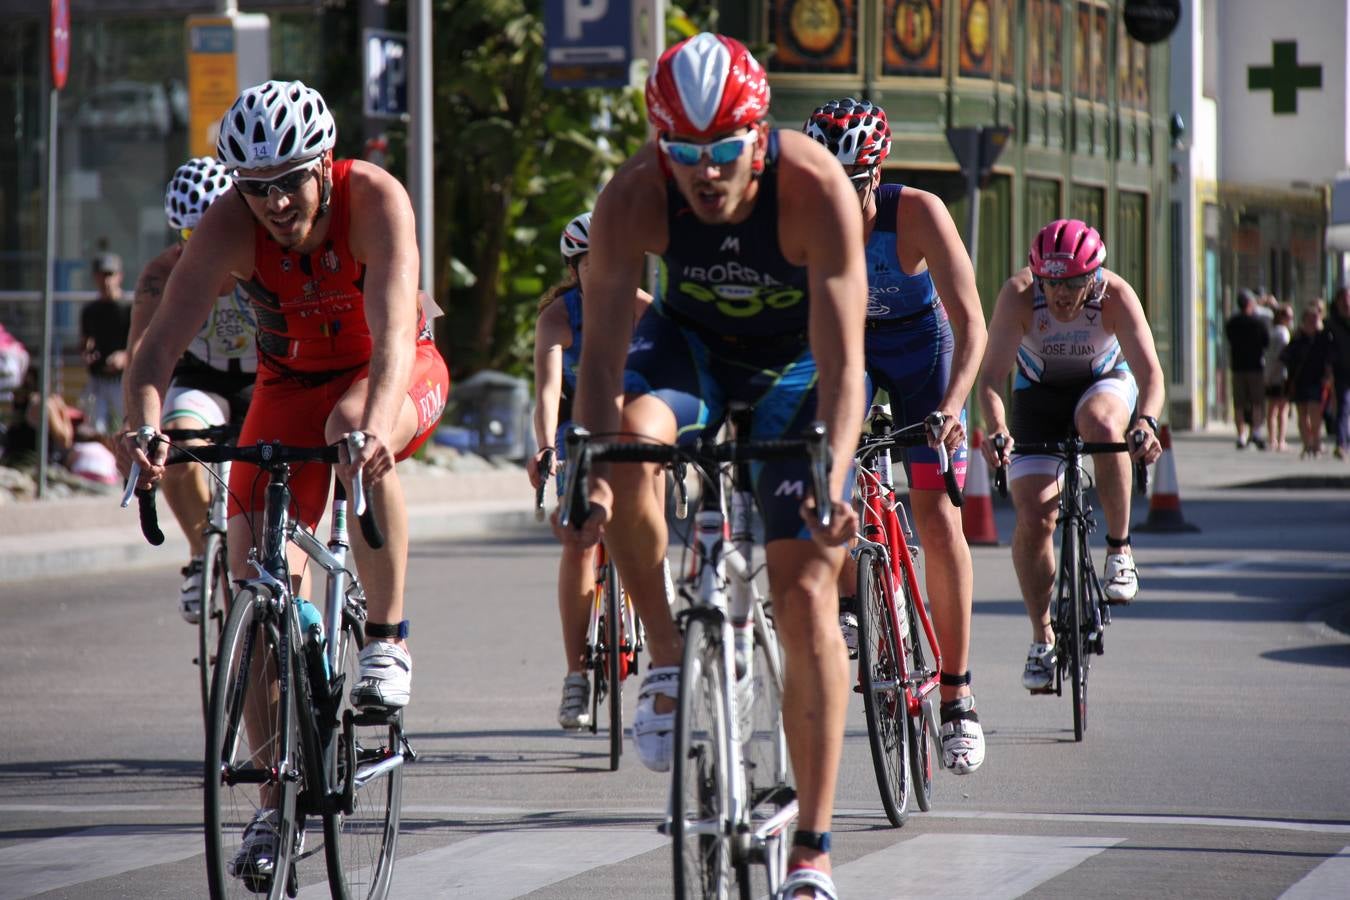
(91, 535)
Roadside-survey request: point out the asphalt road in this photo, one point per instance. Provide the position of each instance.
(1215, 763)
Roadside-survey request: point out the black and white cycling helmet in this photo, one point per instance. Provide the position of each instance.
(274, 123)
(576, 237)
(855, 131)
(194, 186)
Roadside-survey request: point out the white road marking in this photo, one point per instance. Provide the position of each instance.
(508, 864)
(35, 867)
(1330, 879)
(991, 866)
(1120, 819)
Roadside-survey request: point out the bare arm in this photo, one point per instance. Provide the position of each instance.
(1124, 314)
(385, 239)
(149, 293)
(929, 225)
(1006, 327)
(820, 223)
(551, 336)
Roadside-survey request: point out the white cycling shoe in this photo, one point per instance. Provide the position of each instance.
(1120, 581)
(574, 711)
(654, 732)
(386, 677)
(1039, 673)
(189, 595)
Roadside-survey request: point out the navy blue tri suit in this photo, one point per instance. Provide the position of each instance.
(571, 358)
(909, 341)
(730, 324)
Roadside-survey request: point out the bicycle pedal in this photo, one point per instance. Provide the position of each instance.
(377, 715)
(1044, 690)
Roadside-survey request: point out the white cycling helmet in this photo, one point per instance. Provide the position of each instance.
(274, 123)
(194, 187)
(576, 237)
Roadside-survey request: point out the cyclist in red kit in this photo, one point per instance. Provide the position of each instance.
(343, 342)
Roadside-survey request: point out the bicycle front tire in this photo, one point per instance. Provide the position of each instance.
(614, 637)
(883, 688)
(1073, 629)
(361, 837)
(211, 597)
(244, 747)
(700, 789)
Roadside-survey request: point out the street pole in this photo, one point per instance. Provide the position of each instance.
(420, 129)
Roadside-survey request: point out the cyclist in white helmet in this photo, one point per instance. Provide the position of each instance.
(327, 251)
(924, 341)
(213, 380)
(557, 352)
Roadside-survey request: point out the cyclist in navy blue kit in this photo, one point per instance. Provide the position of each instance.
(763, 302)
(925, 338)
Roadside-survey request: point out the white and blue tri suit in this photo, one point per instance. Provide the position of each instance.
(909, 341)
(1060, 365)
(213, 380)
(730, 324)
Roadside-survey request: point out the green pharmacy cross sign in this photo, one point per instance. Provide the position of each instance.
(1283, 77)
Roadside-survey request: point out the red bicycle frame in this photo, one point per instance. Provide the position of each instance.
(881, 524)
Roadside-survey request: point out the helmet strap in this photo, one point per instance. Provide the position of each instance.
(325, 192)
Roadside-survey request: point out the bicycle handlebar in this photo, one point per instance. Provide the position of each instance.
(583, 451)
(1071, 448)
(264, 455)
(915, 435)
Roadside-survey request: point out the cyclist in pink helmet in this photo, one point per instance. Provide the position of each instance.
(925, 336)
(1085, 361)
(763, 303)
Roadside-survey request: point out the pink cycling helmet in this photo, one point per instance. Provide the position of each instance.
(706, 85)
(1066, 248)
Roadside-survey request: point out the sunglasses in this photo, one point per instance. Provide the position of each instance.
(861, 180)
(185, 233)
(1076, 283)
(288, 182)
(727, 150)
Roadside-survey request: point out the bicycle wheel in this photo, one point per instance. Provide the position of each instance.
(921, 747)
(883, 682)
(361, 836)
(764, 750)
(215, 588)
(614, 652)
(700, 793)
(244, 749)
(1072, 628)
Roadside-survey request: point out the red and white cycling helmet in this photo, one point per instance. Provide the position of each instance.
(576, 237)
(274, 123)
(194, 186)
(1066, 248)
(706, 85)
(855, 131)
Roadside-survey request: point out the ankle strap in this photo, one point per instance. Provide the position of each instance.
(383, 631)
(1112, 542)
(949, 680)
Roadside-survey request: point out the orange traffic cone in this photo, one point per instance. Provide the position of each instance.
(1164, 507)
(977, 513)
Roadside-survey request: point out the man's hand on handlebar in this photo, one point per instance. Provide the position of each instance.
(998, 449)
(541, 467)
(1145, 448)
(843, 523)
(601, 502)
(945, 429)
(144, 450)
(373, 458)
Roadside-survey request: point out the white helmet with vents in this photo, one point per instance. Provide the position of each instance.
(576, 237)
(194, 186)
(274, 123)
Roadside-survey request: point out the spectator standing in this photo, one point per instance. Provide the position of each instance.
(1338, 327)
(104, 324)
(1247, 340)
(1308, 357)
(1277, 378)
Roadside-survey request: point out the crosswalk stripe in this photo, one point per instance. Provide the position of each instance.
(1327, 880)
(35, 867)
(990, 865)
(507, 864)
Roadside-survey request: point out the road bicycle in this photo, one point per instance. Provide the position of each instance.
(281, 731)
(1081, 611)
(613, 623)
(899, 660)
(731, 798)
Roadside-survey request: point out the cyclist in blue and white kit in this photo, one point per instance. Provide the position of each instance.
(213, 381)
(557, 353)
(1086, 362)
(925, 337)
(763, 303)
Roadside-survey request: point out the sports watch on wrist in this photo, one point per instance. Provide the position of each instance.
(1151, 422)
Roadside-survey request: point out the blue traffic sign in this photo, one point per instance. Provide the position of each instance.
(587, 43)
(385, 65)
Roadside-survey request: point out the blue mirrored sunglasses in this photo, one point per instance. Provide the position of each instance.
(1076, 283)
(727, 150)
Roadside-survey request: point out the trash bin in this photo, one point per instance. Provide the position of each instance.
(496, 408)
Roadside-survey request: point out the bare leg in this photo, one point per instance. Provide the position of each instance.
(1103, 417)
(1036, 500)
(576, 582)
(187, 492)
(802, 580)
(948, 580)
